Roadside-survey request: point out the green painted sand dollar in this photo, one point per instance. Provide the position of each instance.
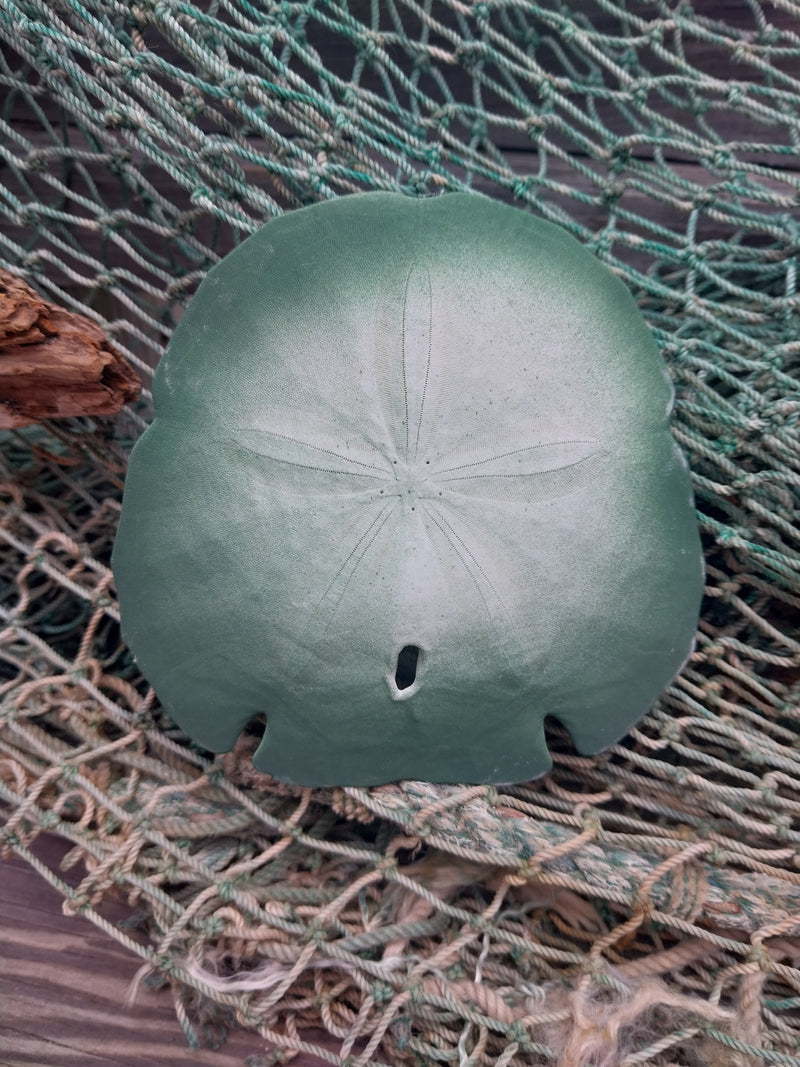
(409, 490)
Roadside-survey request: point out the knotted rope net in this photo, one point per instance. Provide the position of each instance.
(640, 907)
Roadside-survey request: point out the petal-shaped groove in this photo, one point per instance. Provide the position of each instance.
(324, 612)
(403, 349)
(417, 325)
(492, 602)
(527, 475)
(300, 445)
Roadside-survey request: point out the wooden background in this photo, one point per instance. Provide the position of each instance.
(64, 986)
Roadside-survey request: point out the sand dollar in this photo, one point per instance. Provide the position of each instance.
(409, 490)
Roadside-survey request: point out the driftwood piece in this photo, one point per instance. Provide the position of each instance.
(55, 363)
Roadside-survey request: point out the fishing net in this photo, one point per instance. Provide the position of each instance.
(640, 907)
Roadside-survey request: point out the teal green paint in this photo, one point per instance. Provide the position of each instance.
(386, 422)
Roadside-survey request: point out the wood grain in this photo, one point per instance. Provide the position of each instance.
(55, 363)
(64, 984)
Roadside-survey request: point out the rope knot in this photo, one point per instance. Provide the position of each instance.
(470, 54)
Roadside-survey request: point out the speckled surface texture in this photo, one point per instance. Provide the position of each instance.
(388, 423)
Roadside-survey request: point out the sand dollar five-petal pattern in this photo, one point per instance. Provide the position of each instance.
(389, 425)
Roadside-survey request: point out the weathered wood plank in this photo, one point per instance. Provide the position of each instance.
(64, 983)
(39, 1052)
